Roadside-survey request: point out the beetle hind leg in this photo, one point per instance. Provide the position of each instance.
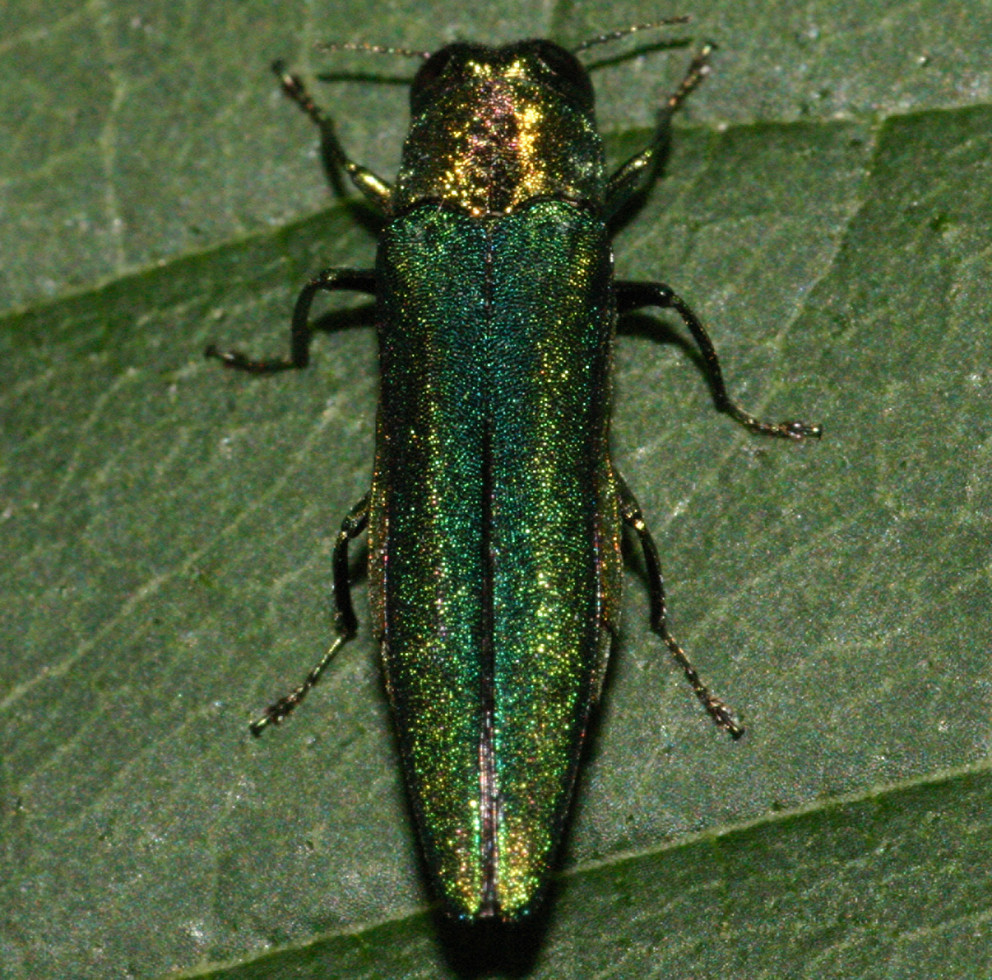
(718, 710)
(346, 622)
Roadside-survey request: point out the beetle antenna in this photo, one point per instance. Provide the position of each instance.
(616, 35)
(372, 49)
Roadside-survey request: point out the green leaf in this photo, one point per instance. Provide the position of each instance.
(166, 526)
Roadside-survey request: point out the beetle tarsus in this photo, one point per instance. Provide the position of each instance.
(797, 429)
(237, 361)
(275, 713)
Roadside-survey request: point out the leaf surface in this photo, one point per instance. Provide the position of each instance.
(166, 526)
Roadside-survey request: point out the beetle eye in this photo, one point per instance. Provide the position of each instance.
(568, 71)
(560, 61)
(433, 68)
(441, 69)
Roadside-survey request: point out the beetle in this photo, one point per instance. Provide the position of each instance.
(495, 513)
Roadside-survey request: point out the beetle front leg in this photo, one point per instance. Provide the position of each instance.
(630, 510)
(345, 623)
(636, 295)
(355, 280)
(639, 169)
(376, 190)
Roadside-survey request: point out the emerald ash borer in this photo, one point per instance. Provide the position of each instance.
(495, 513)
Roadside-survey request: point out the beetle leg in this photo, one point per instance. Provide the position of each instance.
(640, 169)
(378, 191)
(630, 509)
(345, 621)
(356, 280)
(635, 295)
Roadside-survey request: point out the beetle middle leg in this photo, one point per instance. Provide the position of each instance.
(631, 512)
(636, 295)
(355, 280)
(346, 623)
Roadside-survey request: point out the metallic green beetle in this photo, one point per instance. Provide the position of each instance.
(495, 513)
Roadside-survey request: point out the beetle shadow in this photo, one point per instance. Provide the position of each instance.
(628, 210)
(492, 949)
(639, 50)
(340, 319)
(656, 327)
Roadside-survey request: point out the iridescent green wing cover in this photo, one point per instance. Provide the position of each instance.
(556, 531)
(495, 557)
(426, 527)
